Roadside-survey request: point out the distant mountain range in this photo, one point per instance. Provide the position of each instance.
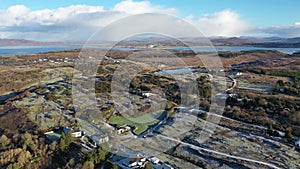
(233, 41)
(23, 42)
(272, 42)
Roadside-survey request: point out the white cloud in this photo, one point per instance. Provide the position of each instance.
(13, 15)
(79, 22)
(229, 23)
(286, 31)
(76, 22)
(224, 23)
(132, 7)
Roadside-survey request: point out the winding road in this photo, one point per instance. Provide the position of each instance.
(220, 153)
(234, 83)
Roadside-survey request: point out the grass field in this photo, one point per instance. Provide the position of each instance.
(141, 123)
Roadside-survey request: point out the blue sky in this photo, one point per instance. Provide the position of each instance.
(258, 12)
(36, 18)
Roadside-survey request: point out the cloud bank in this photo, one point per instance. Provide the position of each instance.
(224, 23)
(79, 22)
(282, 31)
(73, 23)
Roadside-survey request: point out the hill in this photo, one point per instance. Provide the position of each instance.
(23, 42)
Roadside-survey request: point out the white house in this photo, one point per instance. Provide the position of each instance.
(297, 143)
(154, 160)
(133, 164)
(76, 133)
(166, 166)
(151, 46)
(143, 159)
(236, 74)
(123, 129)
(232, 95)
(147, 94)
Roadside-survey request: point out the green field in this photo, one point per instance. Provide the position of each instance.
(142, 123)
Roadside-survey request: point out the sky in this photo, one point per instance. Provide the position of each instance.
(77, 20)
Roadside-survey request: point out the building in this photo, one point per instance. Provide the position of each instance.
(123, 129)
(100, 139)
(132, 164)
(137, 162)
(151, 46)
(147, 94)
(235, 74)
(75, 133)
(233, 95)
(154, 160)
(297, 143)
(53, 136)
(166, 166)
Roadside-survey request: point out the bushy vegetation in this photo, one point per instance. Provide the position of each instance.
(294, 74)
(282, 113)
(286, 88)
(26, 150)
(229, 54)
(286, 73)
(97, 158)
(65, 141)
(290, 87)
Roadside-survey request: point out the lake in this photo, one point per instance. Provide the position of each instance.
(23, 50)
(236, 49)
(175, 71)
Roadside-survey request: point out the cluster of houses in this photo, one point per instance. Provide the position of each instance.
(92, 142)
(88, 142)
(239, 100)
(141, 161)
(235, 73)
(56, 61)
(111, 60)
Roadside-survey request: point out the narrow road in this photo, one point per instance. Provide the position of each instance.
(234, 83)
(220, 153)
(150, 130)
(237, 121)
(240, 122)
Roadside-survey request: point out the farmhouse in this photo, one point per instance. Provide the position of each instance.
(75, 133)
(100, 139)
